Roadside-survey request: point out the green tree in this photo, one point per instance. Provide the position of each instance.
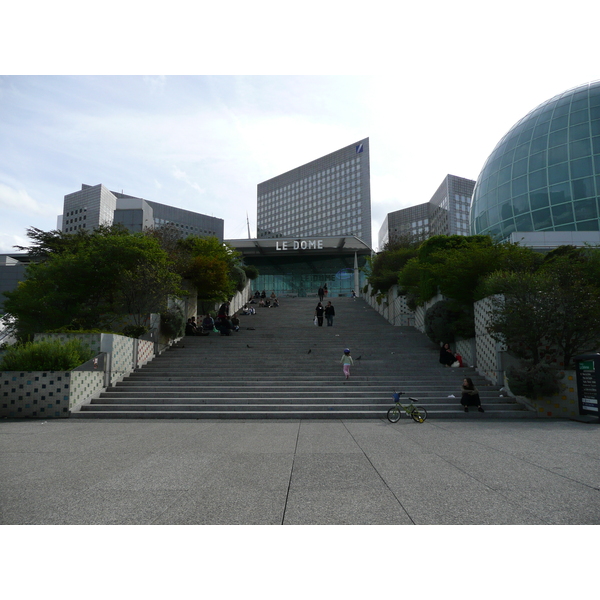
(385, 267)
(88, 286)
(213, 267)
(456, 265)
(557, 306)
(522, 307)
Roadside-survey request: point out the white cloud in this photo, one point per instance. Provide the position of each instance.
(19, 200)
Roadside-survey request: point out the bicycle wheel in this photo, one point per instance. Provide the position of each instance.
(393, 414)
(419, 414)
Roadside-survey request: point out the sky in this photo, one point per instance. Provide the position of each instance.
(434, 87)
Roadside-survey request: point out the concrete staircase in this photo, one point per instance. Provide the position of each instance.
(279, 365)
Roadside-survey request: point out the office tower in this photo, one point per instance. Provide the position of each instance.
(446, 213)
(327, 197)
(93, 206)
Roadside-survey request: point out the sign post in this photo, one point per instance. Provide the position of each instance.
(588, 383)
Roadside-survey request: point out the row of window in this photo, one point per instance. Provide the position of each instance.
(75, 212)
(348, 169)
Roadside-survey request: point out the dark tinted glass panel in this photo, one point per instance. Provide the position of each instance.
(520, 204)
(507, 158)
(523, 223)
(562, 214)
(562, 107)
(581, 168)
(581, 116)
(520, 168)
(558, 173)
(538, 144)
(583, 188)
(579, 103)
(539, 199)
(503, 193)
(578, 132)
(580, 148)
(510, 143)
(559, 123)
(560, 193)
(537, 179)
(525, 136)
(557, 155)
(542, 218)
(595, 113)
(508, 227)
(505, 210)
(519, 186)
(596, 144)
(537, 161)
(484, 221)
(585, 209)
(544, 117)
(558, 137)
(596, 127)
(541, 129)
(494, 214)
(504, 175)
(589, 225)
(521, 151)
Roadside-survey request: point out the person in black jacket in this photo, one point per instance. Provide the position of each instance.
(329, 313)
(446, 355)
(319, 314)
(470, 395)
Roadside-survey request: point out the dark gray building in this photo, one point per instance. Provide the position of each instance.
(97, 205)
(446, 213)
(12, 270)
(330, 196)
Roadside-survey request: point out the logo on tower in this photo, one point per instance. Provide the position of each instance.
(359, 149)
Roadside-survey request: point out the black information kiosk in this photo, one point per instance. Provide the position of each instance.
(588, 383)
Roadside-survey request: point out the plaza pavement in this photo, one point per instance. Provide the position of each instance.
(295, 472)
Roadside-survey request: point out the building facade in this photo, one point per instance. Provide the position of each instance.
(96, 205)
(544, 174)
(446, 213)
(300, 266)
(330, 196)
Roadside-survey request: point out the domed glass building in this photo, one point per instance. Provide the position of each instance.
(544, 174)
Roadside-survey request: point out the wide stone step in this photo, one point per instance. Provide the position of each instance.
(267, 372)
(258, 412)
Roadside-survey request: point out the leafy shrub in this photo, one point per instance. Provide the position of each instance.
(446, 320)
(172, 323)
(69, 329)
(238, 275)
(46, 355)
(251, 271)
(134, 331)
(533, 380)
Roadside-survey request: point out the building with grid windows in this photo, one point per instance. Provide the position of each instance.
(328, 197)
(543, 176)
(96, 205)
(446, 213)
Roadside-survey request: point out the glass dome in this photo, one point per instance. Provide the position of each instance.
(544, 174)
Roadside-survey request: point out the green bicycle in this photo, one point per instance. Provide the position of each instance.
(418, 413)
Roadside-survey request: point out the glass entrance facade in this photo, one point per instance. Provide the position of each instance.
(297, 276)
(301, 266)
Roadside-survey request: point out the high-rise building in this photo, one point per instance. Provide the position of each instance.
(330, 196)
(96, 205)
(446, 213)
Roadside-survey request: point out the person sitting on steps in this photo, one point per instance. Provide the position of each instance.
(470, 395)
